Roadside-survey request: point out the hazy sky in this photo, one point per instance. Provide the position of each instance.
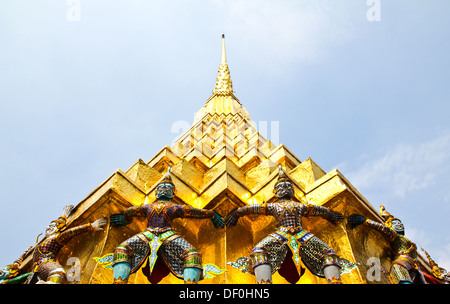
(88, 87)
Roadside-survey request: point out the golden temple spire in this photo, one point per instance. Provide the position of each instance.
(222, 101)
(224, 86)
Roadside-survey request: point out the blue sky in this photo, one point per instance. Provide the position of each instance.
(84, 94)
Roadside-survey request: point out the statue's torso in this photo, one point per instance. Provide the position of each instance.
(403, 246)
(287, 213)
(160, 215)
(47, 250)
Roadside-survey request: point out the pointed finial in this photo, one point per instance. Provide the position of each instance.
(224, 86)
(224, 54)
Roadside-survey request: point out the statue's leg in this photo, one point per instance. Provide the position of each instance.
(57, 276)
(192, 266)
(321, 259)
(332, 274)
(399, 274)
(121, 272)
(261, 265)
(191, 275)
(51, 273)
(121, 264)
(263, 274)
(183, 259)
(331, 268)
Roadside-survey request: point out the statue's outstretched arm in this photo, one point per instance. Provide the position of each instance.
(356, 220)
(324, 212)
(118, 220)
(68, 234)
(98, 224)
(192, 212)
(236, 213)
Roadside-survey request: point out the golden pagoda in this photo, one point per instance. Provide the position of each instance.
(220, 163)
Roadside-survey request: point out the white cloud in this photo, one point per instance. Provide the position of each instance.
(291, 30)
(411, 172)
(405, 168)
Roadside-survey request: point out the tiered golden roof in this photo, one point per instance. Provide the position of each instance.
(220, 163)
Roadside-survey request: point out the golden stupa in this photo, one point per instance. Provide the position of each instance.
(221, 163)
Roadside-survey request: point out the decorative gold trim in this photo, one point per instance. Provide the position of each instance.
(119, 280)
(334, 280)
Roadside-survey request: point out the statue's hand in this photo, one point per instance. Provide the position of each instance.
(118, 220)
(232, 218)
(98, 224)
(335, 216)
(356, 220)
(217, 220)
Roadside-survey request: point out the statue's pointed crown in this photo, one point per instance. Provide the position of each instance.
(61, 222)
(282, 177)
(387, 217)
(167, 178)
(432, 262)
(437, 271)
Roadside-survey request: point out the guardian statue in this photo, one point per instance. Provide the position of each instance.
(160, 239)
(405, 268)
(289, 238)
(46, 269)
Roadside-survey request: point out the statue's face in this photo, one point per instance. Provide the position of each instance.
(51, 229)
(397, 225)
(439, 272)
(165, 191)
(284, 190)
